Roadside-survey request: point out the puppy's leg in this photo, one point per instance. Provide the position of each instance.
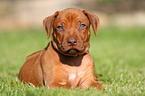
(88, 81)
(91, 83)
(97, 85)
(59, 85)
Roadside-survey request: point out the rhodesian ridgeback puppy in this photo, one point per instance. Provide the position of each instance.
(66, 61)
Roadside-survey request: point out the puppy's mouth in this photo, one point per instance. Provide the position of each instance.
(72, 51)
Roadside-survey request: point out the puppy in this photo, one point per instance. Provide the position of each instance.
(66, 61)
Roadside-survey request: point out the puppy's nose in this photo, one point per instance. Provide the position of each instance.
(72, 41)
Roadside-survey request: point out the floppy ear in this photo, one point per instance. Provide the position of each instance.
(48, 23)
(94, 20)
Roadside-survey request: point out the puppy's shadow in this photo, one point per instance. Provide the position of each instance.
(70, 60)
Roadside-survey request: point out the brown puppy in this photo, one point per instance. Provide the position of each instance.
(66, 61)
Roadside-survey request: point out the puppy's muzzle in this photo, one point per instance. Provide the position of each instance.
(72, 46)
(72, 41)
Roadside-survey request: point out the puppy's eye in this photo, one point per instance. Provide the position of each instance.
(82, 26)
(59, 27)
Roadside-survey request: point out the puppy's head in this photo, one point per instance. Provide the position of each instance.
(71, 30)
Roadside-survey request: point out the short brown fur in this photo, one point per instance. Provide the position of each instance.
(66, 61)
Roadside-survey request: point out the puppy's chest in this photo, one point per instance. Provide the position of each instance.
(74, 76)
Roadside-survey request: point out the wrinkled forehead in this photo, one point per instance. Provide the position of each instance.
(72, 16)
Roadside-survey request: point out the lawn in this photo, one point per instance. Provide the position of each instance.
(118, 53)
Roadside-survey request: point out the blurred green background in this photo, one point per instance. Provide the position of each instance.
(30, 13)
(118, 50)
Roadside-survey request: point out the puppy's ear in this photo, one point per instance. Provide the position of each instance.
(94, 20)
(48, 23)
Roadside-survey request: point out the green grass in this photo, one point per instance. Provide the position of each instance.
(118, 53)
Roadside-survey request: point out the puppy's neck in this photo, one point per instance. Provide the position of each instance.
(69, 60)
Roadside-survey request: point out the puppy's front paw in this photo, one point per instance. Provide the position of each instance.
(98, 86)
